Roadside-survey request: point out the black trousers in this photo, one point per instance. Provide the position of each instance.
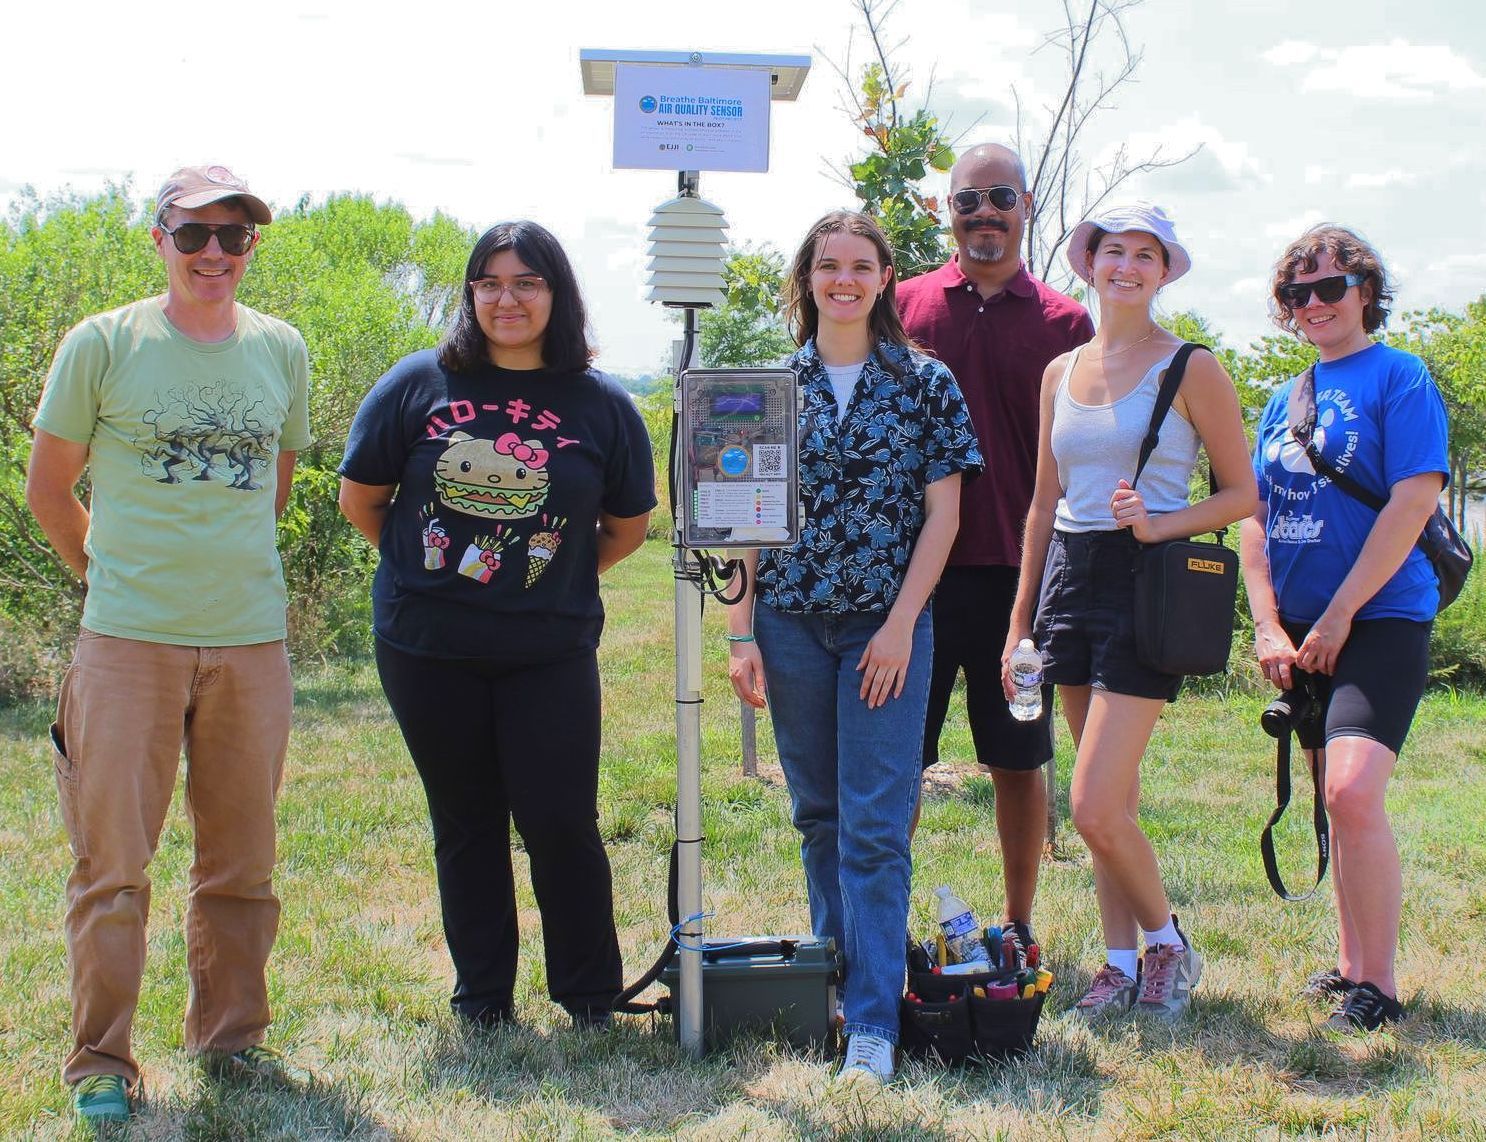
(496, 743)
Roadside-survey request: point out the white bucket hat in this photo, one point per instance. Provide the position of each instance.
(1145, 217)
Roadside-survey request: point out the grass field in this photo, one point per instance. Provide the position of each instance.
(360, 977)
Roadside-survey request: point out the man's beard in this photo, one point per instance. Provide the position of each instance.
(983, 253)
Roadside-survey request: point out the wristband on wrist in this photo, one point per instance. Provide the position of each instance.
(738, 637)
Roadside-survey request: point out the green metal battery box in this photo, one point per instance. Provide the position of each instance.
(786, 984)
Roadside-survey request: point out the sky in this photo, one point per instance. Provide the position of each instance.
(1362, 113)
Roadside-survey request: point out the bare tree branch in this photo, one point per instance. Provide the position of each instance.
(1064, 189)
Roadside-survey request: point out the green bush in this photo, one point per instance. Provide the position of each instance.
(655, 407)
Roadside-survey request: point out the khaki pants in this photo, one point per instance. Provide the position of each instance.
(126, 709)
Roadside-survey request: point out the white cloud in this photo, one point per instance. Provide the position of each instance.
(1289, 53)
(1290, 228)
(1375, 180)
(1221, 164)
(1397, 70)
(1249, 287)
(1315, 174)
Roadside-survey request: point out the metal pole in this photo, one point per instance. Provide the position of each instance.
(1050, 842)
(749, 718)
(688, 601)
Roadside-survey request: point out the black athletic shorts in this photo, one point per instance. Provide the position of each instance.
(972, 611)
(1085, 624)
(1380, 676)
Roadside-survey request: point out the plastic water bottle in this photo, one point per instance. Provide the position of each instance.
(961, 932)
(1026, 676)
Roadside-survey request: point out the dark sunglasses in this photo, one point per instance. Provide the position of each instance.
(190, 237)
(1297, 295)
(967, 201)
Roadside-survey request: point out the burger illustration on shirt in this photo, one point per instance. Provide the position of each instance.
(505, 478)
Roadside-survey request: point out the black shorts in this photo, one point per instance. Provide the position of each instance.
(972, 610)
(1085, 624)
(1380, 676)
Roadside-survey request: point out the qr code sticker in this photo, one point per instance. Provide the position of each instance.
(768, 460)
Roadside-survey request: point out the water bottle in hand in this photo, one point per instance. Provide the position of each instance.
(1026, 677)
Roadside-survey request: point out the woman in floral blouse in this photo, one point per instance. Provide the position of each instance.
(841, 618)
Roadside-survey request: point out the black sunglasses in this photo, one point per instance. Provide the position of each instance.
(1297, 295)
(967, 201)
(190, 237)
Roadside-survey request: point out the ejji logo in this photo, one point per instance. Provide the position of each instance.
(647, 104)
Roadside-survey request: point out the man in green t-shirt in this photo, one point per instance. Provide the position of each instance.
(187, 410)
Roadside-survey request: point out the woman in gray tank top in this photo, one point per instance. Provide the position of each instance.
(1084, 527)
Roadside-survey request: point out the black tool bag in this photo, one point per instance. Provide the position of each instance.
(947, 1022)
(1185, 589)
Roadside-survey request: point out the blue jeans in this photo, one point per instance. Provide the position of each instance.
(853, 777)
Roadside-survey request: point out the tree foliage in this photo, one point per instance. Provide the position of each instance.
(1453, 345)
(904, 147)
(747, 328)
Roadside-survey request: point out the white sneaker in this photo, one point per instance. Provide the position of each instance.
(869, 1058)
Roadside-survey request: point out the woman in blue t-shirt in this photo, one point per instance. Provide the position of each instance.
(841, 618)
(498, 475)
(1343, 600)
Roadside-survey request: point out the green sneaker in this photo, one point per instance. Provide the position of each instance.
(257, 1063)
(101, 1098)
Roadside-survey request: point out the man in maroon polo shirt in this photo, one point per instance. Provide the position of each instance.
(996, 327)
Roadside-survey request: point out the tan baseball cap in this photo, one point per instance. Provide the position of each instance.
(191, 187)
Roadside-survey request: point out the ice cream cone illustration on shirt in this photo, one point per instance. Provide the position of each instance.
(540, 549)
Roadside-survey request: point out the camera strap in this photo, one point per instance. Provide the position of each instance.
(1282, 802)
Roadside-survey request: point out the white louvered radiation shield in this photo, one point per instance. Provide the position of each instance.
(688, 237)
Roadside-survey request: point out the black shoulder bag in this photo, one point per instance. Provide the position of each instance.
(1184, 589)
(1449, 554)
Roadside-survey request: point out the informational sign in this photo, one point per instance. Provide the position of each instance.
(691, 118)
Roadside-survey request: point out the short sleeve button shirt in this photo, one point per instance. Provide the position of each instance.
(863, 480)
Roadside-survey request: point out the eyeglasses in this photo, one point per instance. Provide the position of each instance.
(967, 201)
(489, 290)
(1297, 295)
(191, 237)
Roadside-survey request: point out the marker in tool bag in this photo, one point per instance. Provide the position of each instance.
(1044, 980)
(992, 941)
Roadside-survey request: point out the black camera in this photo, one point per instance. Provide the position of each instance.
(1297, 708)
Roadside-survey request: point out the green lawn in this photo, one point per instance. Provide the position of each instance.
(360, 977)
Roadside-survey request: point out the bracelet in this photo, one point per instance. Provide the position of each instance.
(738, 637)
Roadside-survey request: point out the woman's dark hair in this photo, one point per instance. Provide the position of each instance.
(800, 311)
(565, 344)
(1352, 253)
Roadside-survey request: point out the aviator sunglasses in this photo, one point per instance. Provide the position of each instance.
(967, 201)
(1297, 295)
(191, 237)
